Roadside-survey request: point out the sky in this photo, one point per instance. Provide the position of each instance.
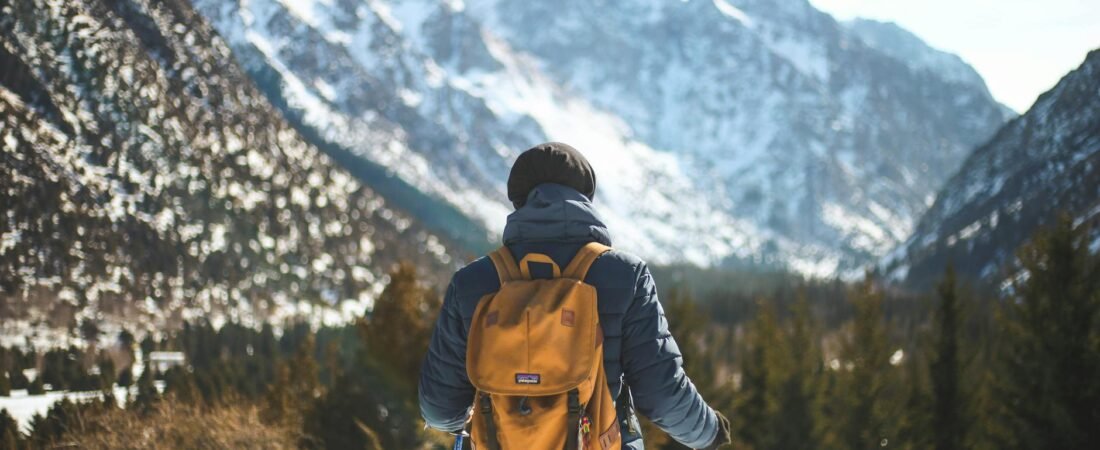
(1020, 47)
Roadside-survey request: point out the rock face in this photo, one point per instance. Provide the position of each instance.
(723, 132)
(145, 180)
(1041, 164)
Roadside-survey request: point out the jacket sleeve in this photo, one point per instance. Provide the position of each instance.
(445, 390)
(652, 367)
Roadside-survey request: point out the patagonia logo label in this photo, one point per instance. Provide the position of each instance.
(528, 378)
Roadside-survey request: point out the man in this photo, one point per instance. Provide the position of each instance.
(552, 187)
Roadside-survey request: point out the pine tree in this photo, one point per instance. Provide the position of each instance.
(107, 373)
(180, 385)
(1050, 329)
(760, 373)
(949, 422)
(870, 406)
(799, 425)
(45, 431)
(10, 437)
(296, 386)
(399, 326)
(126, 377)
(689, 327)
(147, 393)
(37, 387)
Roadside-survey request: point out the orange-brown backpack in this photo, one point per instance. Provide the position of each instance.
(535, 355)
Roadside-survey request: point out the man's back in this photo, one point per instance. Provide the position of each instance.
(557, 221)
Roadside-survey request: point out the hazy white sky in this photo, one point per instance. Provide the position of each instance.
(1021, 47)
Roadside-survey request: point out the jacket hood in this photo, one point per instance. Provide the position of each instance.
(555, 213)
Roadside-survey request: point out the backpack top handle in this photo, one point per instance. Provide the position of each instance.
(525, 264)
(577, 269)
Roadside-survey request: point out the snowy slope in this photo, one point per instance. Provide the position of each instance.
(722, 131)
(144, 180)
(1044, 163)
(904, 46)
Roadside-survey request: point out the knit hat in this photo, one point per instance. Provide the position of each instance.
(551, 162)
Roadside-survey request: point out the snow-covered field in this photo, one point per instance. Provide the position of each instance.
(24, 407)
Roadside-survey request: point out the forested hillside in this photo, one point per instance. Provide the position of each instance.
(1042, 164)
(145, 179)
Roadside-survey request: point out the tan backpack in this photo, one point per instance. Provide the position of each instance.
(535, 355)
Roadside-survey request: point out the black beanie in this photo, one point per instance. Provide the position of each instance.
(552, 162)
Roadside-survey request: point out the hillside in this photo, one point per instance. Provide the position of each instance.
(145, 180)
(1041, 164)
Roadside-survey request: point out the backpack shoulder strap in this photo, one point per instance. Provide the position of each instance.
(578, 267)
(505, 265)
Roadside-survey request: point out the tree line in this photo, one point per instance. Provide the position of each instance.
(801, 365)
(962, 367)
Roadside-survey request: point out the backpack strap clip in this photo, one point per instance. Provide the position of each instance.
(572, 437)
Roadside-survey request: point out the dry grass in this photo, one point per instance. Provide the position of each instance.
(173, 426)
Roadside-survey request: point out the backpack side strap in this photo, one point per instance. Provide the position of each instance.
(505, 264)
(578, 267)
(490, 426)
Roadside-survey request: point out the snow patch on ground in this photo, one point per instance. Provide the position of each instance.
(24, 407)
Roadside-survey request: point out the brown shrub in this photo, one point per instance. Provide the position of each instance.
(170, 425)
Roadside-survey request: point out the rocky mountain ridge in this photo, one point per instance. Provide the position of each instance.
(741, 133)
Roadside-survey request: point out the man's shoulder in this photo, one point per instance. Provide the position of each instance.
(616, 267)
(616, 258)
(476, 279)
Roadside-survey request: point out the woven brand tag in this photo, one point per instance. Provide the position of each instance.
(528, 378)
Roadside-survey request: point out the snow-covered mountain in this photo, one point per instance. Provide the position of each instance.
(144, 180)
(1041, 164)
(745, 131)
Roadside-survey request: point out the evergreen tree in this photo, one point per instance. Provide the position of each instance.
(148, 345)
(798, 418)
(949, 422)
(180, 384)
(45, 431)
(756, 407)
(10, 437)
(690, 328)
(364, 407)
(867, 392)
(107, 373)
(374, 400)
(5, 385)
(126, 377)
(147, 393)
(18, 379)
(398, 328)
(915, 427)
(295, 388)
(1050, 327)
(36, 387)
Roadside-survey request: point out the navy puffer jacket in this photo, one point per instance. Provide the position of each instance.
(638, 348)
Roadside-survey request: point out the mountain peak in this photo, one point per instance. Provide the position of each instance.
(797, 150)
(1039, 165)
